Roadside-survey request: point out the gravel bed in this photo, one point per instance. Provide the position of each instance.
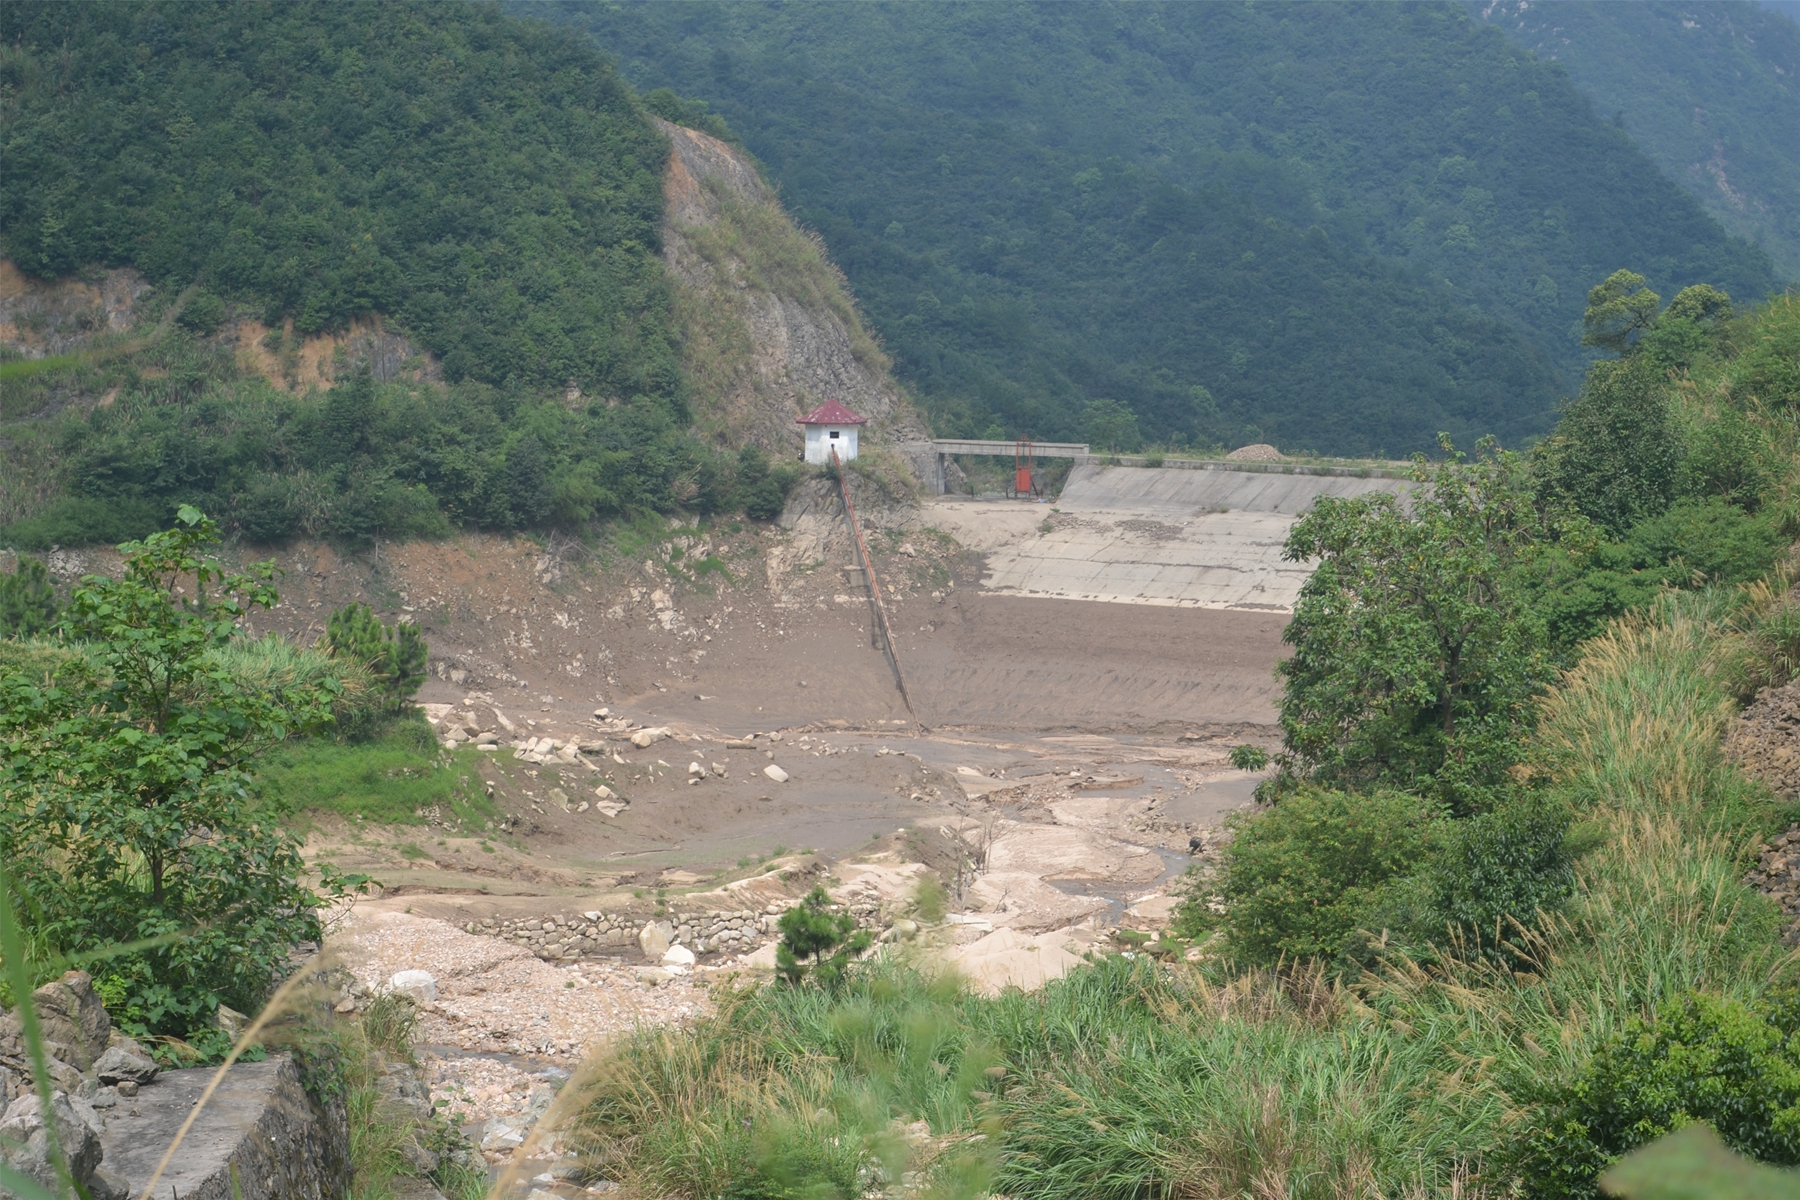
(537, 1020)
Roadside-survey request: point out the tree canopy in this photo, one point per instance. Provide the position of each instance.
(489, 183)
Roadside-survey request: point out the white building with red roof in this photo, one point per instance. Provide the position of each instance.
(831, 427)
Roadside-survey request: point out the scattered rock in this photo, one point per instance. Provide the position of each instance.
(1777, 876)
(776, 773)
(118, 1065)
(1765, 740)
(678, 956)
(420, 985)
(649, 737)
(25, 1142)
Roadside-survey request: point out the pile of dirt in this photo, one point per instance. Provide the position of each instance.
(1259, 452)
(1765, 742)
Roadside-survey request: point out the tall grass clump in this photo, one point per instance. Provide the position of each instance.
(1122, 1080)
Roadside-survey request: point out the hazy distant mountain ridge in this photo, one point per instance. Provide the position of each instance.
(1000, 182)
(1710, 90)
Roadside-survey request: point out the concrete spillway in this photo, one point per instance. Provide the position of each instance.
(1161, 536)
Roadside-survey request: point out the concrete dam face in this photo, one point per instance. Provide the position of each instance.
(1181, 538)
(1150, 597)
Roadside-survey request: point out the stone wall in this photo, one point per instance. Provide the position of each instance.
(575, 935)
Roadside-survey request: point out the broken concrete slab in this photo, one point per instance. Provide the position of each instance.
(1020, 901)
(260, 1137)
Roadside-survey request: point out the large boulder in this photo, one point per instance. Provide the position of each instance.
(654, 940)
(124, 1061)
(25, 1144)
(72, 1019)
(420, 985)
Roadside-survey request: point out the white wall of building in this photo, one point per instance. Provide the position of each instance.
(822, 439)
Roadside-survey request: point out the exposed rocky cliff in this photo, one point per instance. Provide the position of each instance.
(768, 324)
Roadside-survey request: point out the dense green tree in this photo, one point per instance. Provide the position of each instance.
(1709, 93)
(127, 800)
(1416, 650)
(1616, 454)
(488, 184)
(1618, 310)
(1109, 425)
(395, 656)
(27, 599)
(404, 459)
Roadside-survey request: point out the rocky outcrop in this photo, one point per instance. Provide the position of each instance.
(1765, 744)
(1765, 741)
(72, 1020)
(769, 328)
(114, 1114)
(259, 1137)
(41, 317)
(1777, 876)
(25, 1134)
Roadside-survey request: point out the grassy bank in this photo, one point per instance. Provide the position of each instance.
(1133, 1079)
(393, 778)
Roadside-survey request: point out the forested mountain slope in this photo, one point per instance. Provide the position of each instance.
(1711, 91)
(357, 271)
(1346, 227)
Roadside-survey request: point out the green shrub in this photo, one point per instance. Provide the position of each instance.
(817, 942)
(394, 657)
(127, 803)
(1308, 878)
(1731, 457)
(1495, 872)
(27, 601)
(1249, 758)
(1710, 536)
(1704, 1058)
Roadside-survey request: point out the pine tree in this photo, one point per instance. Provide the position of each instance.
(394, 656)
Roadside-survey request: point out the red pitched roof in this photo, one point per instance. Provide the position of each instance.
(831, 413)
